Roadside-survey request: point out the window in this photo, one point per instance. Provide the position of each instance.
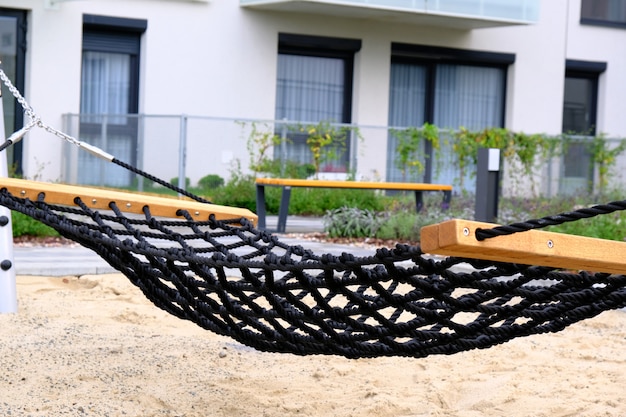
(448, 88)
(109, 92)
(603, 12)
(314, 84)
(13, 47)
(579, 119)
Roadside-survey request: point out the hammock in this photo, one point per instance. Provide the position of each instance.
(211, 265)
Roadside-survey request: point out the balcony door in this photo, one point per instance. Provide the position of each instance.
(109, 94)
(579, 119)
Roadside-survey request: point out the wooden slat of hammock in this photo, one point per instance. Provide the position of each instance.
(99, 199)
(534, 247)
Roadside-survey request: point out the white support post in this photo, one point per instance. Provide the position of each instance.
(8, 290)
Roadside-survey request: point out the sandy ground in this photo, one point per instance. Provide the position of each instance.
(94, 346)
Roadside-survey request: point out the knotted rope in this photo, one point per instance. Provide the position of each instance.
(235, 280)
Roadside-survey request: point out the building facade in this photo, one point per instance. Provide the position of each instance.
(136, 76)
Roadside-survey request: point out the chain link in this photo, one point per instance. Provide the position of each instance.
(35, 120)
(18, 96)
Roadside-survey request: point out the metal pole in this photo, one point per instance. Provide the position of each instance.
(140, 150)
(182, 152)
(104, 145)
(487, 185)
(8, 290)
(283, 147)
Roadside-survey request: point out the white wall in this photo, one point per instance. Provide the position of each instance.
(603, 44)
(218, 59)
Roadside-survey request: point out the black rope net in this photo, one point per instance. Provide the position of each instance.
(235, 280)
(248, 284)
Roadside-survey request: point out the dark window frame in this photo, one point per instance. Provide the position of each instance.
(430, 56)
(588, 70)
(327, 47)
(115, 34)
(592, 21)
(21, 17)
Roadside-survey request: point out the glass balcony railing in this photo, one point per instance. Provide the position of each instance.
(469, 14)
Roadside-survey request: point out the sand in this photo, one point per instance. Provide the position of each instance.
(94, 346)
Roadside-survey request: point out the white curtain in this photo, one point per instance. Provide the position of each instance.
(468, 96)
(105, 92)
(407, 107)
(309, 89)
(407, 95)
(105, 85)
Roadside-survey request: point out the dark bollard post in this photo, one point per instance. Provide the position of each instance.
(487, 185)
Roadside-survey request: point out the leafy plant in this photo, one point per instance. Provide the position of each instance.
(239, 191)
(326, 142)
(287, 169)
(607, 226)
(410, 145)
(24, 225)
(316, 201)
(517, 148)
(211, 181)
(175, 182)
(351, 222)
(259, 143)
(604, 157)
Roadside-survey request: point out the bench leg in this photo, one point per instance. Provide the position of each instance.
(447, 197)
(445, 204)
(283, 210)
(419, 202)
(260, 206)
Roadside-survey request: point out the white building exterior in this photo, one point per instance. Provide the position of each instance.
(219, 59)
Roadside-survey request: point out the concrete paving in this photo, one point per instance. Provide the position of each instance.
(77, 260)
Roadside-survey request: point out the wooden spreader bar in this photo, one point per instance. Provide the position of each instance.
(534, 247)
(64, 195)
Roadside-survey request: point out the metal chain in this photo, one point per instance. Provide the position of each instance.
(18, 96)
(35, 120)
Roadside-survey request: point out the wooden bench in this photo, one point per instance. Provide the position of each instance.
(287, 184)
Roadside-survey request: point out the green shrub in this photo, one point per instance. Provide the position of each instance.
(239, 191)
(607, 226)
(317, 201)
(351, 222)
(400, 226)
(286, 169)
(27, 226)
(404, 223)
(175, 182)
(211, 181)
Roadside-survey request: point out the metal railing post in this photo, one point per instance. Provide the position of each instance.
(283, 147)
(182, 152)
(140, 150)
(8, 286)
(104, 146)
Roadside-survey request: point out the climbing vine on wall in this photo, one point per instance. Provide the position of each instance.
(525, 151)
(411, 145)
